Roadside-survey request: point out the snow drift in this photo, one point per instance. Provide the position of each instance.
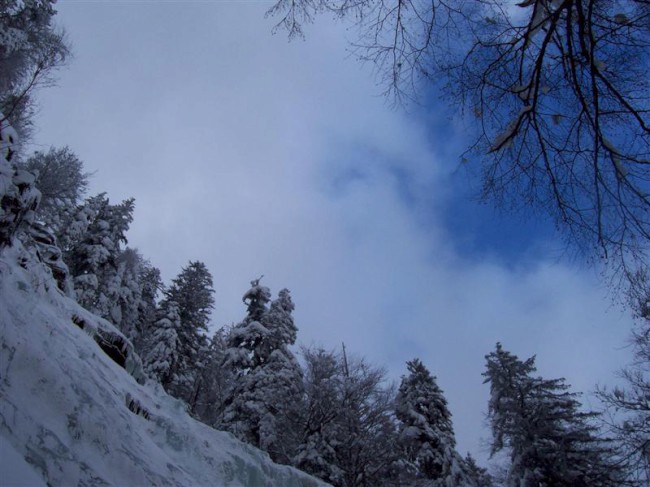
(75, 408)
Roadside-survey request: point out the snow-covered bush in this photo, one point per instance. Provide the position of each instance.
(18, 195)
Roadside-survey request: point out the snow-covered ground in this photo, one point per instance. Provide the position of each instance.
(64, 405)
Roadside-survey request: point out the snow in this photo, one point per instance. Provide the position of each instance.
(70, 415)
(8, 137)
(23, 177)
(16, 472)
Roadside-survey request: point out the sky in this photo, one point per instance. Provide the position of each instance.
(257, 155)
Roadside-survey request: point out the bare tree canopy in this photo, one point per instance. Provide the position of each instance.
(627, 408)
(559, 91)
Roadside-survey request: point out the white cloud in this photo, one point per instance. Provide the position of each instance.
(260, 156)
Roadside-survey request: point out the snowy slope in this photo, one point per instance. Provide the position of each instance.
(64, 414)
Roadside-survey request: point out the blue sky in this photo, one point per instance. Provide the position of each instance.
(260, 156)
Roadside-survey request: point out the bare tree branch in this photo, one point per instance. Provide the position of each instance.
(559, 91)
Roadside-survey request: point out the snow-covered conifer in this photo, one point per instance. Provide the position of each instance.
(268, 378)
(19, 197)
(214, 382)
(92, 250)
(248, 341)
(551, 441)
(130, 266)
(256, 299)
(192, 290)
(19, 201)
(425, 429)
(479, 475)
(150, 284)
(161, 359)
(279, 320)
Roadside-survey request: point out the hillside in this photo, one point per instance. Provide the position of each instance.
(72, 415)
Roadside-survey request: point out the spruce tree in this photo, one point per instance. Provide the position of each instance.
(551, 441)
(129, 292)
(92, 246)
(150, 285)
(162, 357)
(137, 283)
(268, 378)
(425, 429)
(478, 475)
(249, 341)
(192, 291)
(214, 382)
(19, 197)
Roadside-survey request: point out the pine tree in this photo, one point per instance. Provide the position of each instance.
(19, 197)
(129, 292)
(268, 382)
(478, 475)
(425, 432)
(136, 291)
(161, 359)
(19, 201)
(192, 291)
(92, 246)
(109, 279)
(249, 341)
(215, 381)
(151, 285)
(550, 440)
(279, 321)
